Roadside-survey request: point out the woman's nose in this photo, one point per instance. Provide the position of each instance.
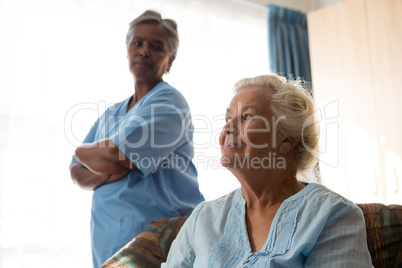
(229, 128)
(143, 52)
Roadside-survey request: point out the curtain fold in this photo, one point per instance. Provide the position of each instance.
(288, 43)
(289, 55)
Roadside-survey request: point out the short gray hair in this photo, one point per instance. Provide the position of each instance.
(292, 100)
(169, 25)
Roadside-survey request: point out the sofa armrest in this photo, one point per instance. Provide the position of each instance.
(150, 248)
(384, 234)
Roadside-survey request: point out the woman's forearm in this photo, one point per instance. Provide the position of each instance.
(88, 180)
(84, 178)
(103, 157)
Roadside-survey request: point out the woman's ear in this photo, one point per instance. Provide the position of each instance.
(171, 59)
(288, 144)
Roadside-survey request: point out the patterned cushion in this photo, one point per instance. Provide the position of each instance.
(384, 234)
(167, 230)
(150, 248)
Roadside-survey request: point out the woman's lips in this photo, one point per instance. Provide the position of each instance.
(142, 63)
(230, 146)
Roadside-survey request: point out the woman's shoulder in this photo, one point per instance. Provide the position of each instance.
(321, 198)
(231, 197)
(220, 204)
(211, 216)
(323, 193)
(319, 208)
(117, 107)
(164, 88)
(165, 92)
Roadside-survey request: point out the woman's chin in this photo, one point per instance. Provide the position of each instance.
(228, 160)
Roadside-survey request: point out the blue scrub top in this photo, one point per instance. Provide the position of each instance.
(156, 134)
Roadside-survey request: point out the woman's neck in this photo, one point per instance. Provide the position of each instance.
(266, 189)
(140, 90)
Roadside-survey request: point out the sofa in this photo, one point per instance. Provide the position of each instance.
(151, 247)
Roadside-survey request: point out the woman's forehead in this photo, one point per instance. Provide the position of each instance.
(146, 29)
(251, 98)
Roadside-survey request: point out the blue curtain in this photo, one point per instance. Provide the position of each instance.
(288, 43)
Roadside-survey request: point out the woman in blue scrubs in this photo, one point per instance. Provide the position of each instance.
(137, 157)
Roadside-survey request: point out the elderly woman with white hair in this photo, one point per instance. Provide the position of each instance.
(273, 219)
(138, 155)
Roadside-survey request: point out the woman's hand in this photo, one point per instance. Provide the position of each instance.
(88, 180)
(112, 177)
(99, 163)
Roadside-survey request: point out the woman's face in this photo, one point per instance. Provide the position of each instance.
(148, 52)
(249, 138)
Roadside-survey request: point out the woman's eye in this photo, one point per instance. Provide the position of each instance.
(136, 43)
(247, 116)
(157, 48)
(227, 119)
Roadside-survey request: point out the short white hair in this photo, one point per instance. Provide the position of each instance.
(292, 100)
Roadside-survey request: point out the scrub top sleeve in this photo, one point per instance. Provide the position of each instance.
(154, 130)
(90, 137)
(342, 242)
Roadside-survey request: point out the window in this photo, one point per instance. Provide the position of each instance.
(58, 57)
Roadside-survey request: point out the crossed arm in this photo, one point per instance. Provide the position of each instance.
(99, 163)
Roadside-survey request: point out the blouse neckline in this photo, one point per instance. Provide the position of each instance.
(290, 218)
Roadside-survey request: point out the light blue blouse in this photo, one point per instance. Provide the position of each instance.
(313, 228)
(156, 134)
